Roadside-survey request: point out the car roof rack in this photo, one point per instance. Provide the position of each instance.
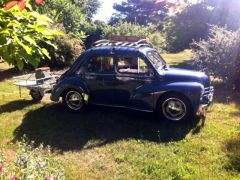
(112, 42)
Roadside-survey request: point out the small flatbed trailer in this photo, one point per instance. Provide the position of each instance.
(39, 83)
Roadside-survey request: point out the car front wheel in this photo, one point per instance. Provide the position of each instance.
(174, 107)
(74, 100)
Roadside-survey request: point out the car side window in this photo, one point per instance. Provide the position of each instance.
(133, 65)
(98, 64)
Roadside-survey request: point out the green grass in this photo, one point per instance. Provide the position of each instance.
(178, 58)
(107, 143)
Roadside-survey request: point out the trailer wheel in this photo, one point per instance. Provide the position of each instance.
(36, 95)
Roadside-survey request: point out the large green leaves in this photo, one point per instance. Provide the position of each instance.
(22, 35)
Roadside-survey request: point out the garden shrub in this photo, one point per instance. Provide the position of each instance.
(69, 48)
(101, 30)
(30, 163)
(158, 41)
(219, 54)
(131, 29)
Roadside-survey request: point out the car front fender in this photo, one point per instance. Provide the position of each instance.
(192, 90)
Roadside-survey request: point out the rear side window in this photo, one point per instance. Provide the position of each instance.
(98, 64)
(133, 65)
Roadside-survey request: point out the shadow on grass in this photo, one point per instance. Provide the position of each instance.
(232, 149)
(15, 105)
(66, 131)
(8, 73)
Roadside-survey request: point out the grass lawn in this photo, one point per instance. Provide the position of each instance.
(109, 143)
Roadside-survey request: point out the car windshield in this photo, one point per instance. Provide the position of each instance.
(156, 59)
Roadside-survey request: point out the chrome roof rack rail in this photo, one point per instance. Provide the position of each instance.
(106, 42)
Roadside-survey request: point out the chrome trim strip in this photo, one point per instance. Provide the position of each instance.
(117, 106)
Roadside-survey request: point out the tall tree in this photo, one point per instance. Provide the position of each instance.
(224, 13)
(181, 29)
(193, 23)
(139, 11)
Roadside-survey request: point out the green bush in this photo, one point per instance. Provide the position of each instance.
(191, 24)
(219, 54)
(158, 41)
(69, 48)
(30, 163)
(130, 29)
(100, 30)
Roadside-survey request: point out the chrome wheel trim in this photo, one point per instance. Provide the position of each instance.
(74, 100)
(174, 109)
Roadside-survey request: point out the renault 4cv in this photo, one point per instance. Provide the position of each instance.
(132, 75)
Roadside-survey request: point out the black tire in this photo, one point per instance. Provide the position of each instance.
(36, 95)
(174, 107)
(73, 100)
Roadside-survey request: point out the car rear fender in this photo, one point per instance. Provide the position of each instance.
(69, 83)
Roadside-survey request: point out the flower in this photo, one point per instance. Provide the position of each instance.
(39, 1)
(13, 178)
(1, 168)
(47, 178)
(21, 4)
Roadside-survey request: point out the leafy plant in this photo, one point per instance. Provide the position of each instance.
(20, 36)
(31, 163)
(219, 54)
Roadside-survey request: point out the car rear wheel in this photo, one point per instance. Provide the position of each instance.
(74, 100)
(174, 107)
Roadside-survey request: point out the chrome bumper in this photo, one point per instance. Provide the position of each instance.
(207, 98)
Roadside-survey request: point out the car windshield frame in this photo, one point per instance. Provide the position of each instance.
(156, 59)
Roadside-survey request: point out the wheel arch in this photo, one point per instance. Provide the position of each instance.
(68, 88)
(173, 92)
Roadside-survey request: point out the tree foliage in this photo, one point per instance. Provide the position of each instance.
(139, 11)
(224, 13)
(101, 30)
(191, 24)
(74, 15)
(21, 36)
(219, 54)
(124, 28)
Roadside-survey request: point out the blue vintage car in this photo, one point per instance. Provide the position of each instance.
(135, 76)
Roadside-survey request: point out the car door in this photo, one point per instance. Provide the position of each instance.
(98, 73)
(132, 76)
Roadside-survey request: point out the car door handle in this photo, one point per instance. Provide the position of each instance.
(89, 77)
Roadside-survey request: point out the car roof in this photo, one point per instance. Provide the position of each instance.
(119, 50)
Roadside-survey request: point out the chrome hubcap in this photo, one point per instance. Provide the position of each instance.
(174, 109)
(74, 100)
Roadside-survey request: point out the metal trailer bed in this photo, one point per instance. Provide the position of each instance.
(38, 87)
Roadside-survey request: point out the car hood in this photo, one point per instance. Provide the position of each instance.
(182, 75)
